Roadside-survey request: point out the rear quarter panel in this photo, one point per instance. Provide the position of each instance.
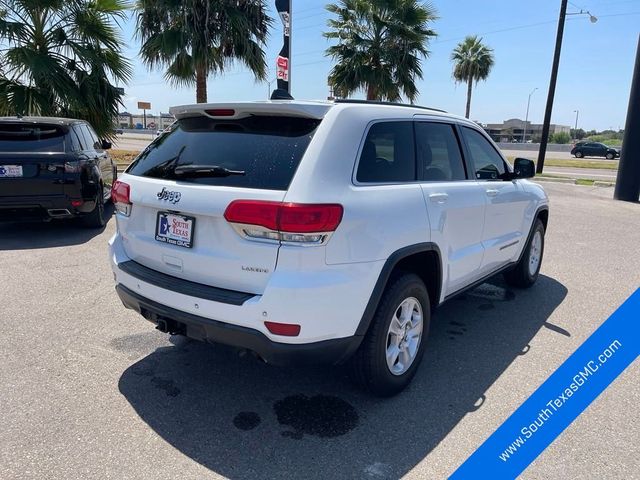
(378, 219)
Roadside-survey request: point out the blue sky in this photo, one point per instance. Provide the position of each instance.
(595, 69)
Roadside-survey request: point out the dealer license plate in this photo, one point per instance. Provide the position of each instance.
(7, 171)
(175, 229)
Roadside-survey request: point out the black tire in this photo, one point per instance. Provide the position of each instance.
(96, 219)
(579, 154)
(610, 156)
(521, 275)
(368, 366)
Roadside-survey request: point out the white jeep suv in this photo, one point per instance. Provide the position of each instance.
(323, 232)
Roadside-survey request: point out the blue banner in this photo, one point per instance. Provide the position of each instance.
(560, 399)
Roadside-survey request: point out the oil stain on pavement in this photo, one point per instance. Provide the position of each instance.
(323, 416)
(456, 329)
(246, 421)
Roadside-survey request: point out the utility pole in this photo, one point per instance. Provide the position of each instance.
(552, 88)
(628, 183)
(283, 63)
(526, 120)
(554, 78)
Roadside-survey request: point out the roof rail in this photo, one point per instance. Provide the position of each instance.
(393, 104)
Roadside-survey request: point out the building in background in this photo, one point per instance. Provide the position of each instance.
(136, 121)
(513, 130)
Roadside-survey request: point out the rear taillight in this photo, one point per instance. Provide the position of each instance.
(120, 195)
(286, 222)
(73, 167)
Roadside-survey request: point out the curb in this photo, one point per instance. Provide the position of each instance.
(555, 180)
(574, 181)
(603, 184)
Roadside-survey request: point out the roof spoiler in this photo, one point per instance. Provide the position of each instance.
(238, 110)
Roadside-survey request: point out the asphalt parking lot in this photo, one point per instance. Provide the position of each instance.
(138, 141)
(90, 390)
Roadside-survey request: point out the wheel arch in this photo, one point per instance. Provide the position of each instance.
(423, 259)
(543, 215)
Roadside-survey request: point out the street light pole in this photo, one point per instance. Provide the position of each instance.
(554, 78)
(269, 83)
(575, 130)
(526, 120)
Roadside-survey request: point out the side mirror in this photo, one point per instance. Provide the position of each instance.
(524, 168)
(106, 145)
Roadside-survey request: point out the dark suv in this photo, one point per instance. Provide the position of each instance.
(594, 149)
(53, 168)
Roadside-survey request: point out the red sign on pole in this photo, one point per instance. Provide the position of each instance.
(283, 69)
(283, 64)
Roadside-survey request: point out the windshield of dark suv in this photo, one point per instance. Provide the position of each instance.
(261, 152)
(29, 137)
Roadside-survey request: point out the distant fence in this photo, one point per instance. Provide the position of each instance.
(139, 131)
(534, 147)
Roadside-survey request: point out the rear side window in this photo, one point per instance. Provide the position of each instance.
(26, 137)
(439, 152)
(268, 149)
(75, 141)
(388, 154)
(488, 164)
(89, 139)
(94, 137)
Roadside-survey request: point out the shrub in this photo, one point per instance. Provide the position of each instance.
(561, 138)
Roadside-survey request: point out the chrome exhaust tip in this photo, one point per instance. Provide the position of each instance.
(59, 212)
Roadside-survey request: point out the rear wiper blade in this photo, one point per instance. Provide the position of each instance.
(195, 171)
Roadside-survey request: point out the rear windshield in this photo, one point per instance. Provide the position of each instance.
(31, 138)
(268, 149)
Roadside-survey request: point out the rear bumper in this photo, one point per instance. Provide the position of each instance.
(174, 321)
(327, 301)
(45, 207)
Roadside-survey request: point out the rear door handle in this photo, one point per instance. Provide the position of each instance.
(439, 198)
(492, 193)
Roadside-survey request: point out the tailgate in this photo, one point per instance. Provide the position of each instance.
(176, 224)
(31, 158)
(218, 256)
(30, 175)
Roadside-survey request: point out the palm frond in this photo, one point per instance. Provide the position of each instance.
(213, 33)
(472, 59)
(61, 58)
(380, 46)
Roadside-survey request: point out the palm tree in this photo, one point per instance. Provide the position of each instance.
(380, 46)
(472, 62)
(59, 57)
(195, 38)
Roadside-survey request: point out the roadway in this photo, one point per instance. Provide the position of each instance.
(133, 141)
(587, 173)
(90, 390)
(137, 142)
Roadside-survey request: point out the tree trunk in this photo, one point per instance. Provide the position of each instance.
(371, 92)
(469, 87)
(201, 85)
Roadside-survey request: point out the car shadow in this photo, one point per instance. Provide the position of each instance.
(241, 418)
(56, 233)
